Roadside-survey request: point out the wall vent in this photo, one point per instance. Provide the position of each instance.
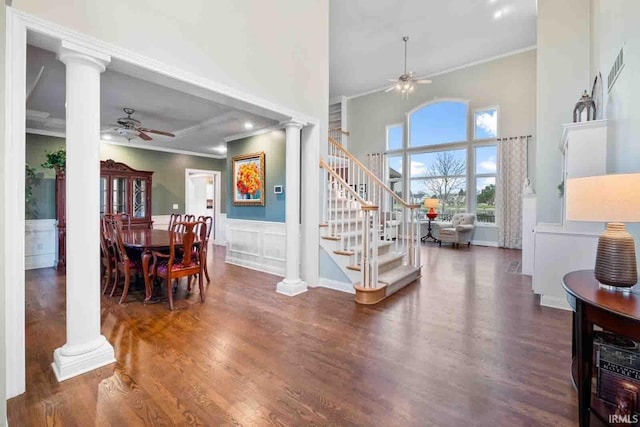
(616, 69)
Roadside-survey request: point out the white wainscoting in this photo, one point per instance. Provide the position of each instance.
(40, 243)
(161, 222)
(259, 245)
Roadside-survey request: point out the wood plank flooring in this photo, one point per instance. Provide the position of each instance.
(467, 346)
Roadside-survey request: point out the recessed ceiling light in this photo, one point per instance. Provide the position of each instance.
(497, 14)
(248, 125)
(107, 136)
(220, 149)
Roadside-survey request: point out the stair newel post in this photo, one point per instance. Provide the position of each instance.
(375, 239)
(369, 247)
(413, 236)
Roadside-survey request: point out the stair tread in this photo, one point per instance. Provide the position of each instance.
(397, 274)
(381, 244)
(382, 260)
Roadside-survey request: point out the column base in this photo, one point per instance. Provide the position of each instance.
(291, 288)
(68, 366)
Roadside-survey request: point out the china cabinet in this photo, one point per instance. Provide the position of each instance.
(123, 190)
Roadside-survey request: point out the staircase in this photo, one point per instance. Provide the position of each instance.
(368, 230)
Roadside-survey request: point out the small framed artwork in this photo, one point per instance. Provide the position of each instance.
(248, 179)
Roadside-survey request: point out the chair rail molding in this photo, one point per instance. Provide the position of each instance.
(258, 245)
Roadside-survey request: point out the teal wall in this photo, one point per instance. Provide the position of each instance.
(273, 145)
(168, 176)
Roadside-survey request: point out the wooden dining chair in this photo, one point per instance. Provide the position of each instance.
(173, 218)
(187, 218)
(107, 254)
(124, 264)
(122, 218)
(185, 263)
(208, 224)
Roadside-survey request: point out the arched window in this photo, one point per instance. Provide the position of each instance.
(439, 122)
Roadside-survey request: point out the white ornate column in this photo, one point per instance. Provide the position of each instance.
(86, 349)
(292, 284)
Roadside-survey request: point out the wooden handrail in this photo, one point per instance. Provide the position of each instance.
(344, 132)
(373, 177)
(345, 185)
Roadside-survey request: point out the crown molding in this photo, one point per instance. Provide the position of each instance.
(42, 132)
(451, 70)
(163, 149)
(253, 133)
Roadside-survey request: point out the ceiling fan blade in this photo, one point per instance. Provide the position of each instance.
(144, 136)
(389, 89)
(424, 82)
(159, 132)
(392, 80)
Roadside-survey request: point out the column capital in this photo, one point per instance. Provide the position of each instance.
(293, 123)
(74, 53)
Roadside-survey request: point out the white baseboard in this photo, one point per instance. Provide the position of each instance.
(336, 285)
(555, 302)
(40, 241)
(253, 266)
(484, 243)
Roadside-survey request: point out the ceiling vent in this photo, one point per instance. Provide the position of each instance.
(616, 69)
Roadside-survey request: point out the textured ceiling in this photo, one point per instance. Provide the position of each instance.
(200, 125)
(366, 37)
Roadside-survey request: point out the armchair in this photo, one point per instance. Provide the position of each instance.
(459, 230)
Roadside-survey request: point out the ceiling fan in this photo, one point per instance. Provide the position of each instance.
(406, 83)
(130, 128)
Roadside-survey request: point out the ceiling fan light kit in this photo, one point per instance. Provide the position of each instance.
(130, 128)
(406, 83)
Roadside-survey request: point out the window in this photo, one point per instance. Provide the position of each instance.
(438, 123)
(394, 137)
(485, 123)
(442, 161)
(486, 166)
(440, 175)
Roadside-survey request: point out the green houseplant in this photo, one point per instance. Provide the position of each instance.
(30, 180)
(56, 160)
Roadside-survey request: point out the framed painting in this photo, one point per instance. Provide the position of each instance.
(248, 179)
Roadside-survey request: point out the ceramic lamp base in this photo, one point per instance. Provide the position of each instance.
(616, 258)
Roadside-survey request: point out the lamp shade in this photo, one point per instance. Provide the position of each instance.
(604, 198)
(431, 203)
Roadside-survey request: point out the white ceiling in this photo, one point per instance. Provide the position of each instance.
(365, 37)
(200, 125)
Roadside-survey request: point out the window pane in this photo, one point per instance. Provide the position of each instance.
(438, 123)
(450, 191)
(485, 199)
(486, 159)
(394, 137)
(486, 124)
(439, 163)
(394, 174)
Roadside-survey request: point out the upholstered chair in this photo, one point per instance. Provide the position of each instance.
(459, 230)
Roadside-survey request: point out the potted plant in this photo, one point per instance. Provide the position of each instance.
(56, 160)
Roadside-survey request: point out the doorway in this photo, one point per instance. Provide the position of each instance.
(202, 196)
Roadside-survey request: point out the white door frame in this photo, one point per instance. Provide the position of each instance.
(12, 155)
(217, 190)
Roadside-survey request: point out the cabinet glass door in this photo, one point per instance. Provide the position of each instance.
(103, 195)
(139, 198)
(119, 198)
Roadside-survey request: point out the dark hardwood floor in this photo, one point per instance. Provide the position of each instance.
(467, 346)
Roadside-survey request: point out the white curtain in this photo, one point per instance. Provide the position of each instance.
(512, 161)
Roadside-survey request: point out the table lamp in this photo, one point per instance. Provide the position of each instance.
(431, 204)
(614, 199)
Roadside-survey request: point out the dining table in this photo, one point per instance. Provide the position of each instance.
(144, 241)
